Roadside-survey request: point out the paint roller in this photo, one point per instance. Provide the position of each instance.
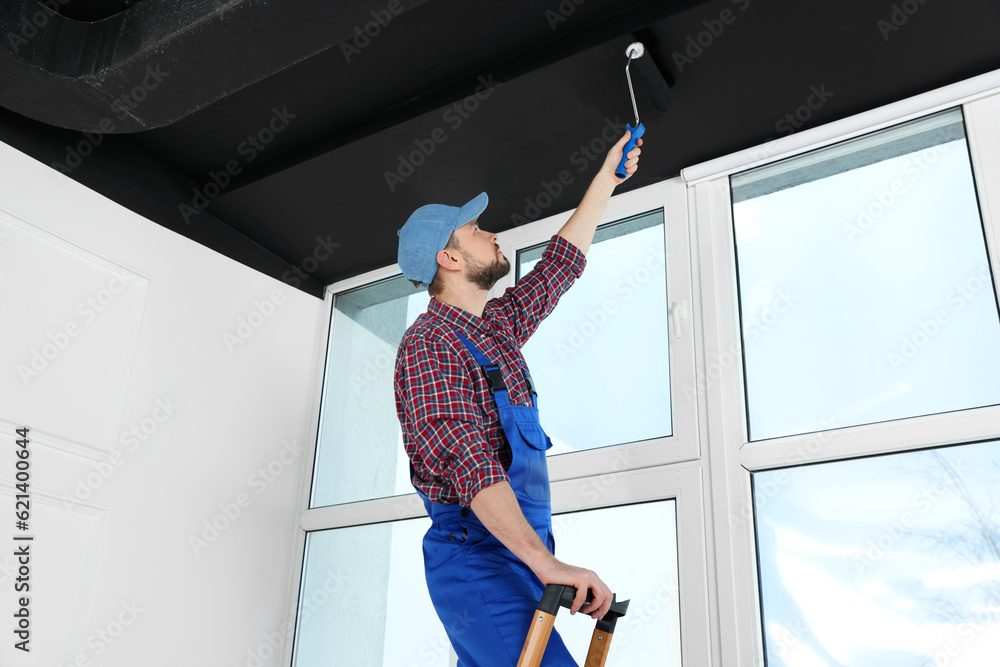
(649, 74)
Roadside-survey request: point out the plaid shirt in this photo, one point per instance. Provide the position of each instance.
(451, 428)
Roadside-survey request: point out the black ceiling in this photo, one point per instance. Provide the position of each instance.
(90, 10)
(150, 102)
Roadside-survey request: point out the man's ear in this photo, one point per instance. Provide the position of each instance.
(449, 259)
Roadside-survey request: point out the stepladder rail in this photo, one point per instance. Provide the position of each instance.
(559, 595)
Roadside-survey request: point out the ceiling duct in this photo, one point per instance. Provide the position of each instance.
(157, 62)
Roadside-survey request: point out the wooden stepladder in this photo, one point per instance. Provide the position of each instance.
(555, 596)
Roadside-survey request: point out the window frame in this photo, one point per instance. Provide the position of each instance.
(660, 469)
(733, 456)
(670, 196)
(710, 476)
(683, 483)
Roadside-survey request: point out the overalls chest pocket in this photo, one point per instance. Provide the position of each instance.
(532, 433)
(531, 447)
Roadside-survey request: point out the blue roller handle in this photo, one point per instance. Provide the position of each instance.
(629, 145)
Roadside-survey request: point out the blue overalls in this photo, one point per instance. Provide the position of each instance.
(484, 595)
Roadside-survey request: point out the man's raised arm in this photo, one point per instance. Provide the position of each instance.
(579, 229)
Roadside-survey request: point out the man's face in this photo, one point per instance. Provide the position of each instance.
(484, 262)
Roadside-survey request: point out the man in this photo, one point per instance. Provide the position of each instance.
(470, 425)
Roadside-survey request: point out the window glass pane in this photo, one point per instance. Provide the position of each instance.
(364, 597)
(600, 360)
(364, 600)
(633, 548)
(865, 290)
(890, 560)
(360, 453)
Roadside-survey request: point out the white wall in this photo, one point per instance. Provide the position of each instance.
(113, 514)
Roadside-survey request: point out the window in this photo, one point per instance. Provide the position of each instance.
(865, 289)
(578, 350)
(774, 399)
(362, 601)
(615, 361)
(852, 286)
(636, 553)
(891, 560)
(360, 452)
(616, 508)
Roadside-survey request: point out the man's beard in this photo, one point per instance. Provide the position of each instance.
(485, 276)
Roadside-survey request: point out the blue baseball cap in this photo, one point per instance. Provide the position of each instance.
(426, 233)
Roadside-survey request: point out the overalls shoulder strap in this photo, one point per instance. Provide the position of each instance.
(494, 377)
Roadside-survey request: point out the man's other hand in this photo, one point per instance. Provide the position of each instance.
(557, 572)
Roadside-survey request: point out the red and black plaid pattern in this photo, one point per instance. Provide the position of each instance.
(451, 429)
